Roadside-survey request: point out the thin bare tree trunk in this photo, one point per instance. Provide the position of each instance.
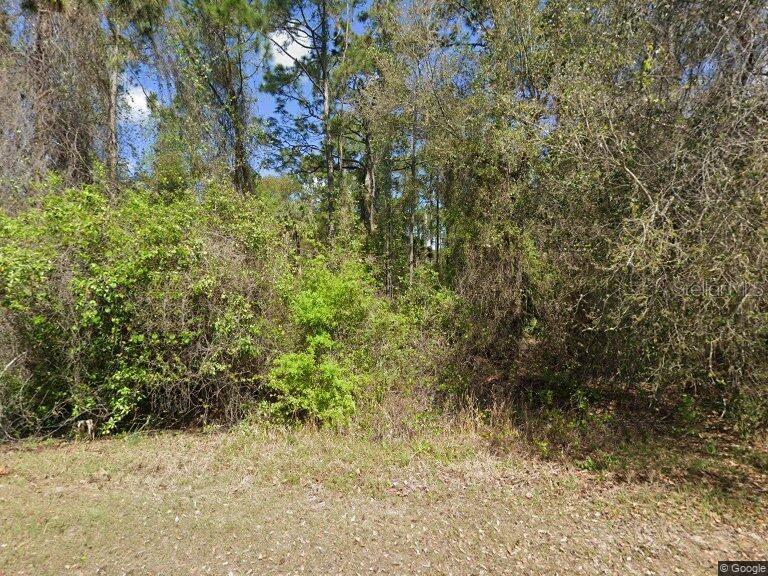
(413, 201)
(342, 172)
(237, 112)
(518, 284)
(370, 184)
(112, 150)
(437, 229)
(40, 75)
(5, 31)
(327, 143)
(242, 167)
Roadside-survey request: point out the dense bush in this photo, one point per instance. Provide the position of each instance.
(313, 384)
(604, 203)
(657, 185)
(157, 311)
(144, 309)
(556, 198)
(348, 342)
(325, 306)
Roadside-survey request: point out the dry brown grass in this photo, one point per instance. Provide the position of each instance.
(274, 501)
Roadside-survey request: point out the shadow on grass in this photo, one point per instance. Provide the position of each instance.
(627, 437)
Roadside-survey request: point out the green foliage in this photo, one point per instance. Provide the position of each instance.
(171, 169)
(546, 192)
(312, 385)
(171, 308)
(150, 308)
(332, 302)
(325, 305)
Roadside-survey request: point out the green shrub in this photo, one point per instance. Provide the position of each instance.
(313, 385)
(328, 307)
(351, 346)
(146, 308)
(183, 308)
(334, 302)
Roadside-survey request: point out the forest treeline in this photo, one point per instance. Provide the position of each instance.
(451, 200)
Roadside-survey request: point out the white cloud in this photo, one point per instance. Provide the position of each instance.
(294, 51)
(136, 108)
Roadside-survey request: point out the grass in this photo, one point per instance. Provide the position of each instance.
(622, 438)
(266, 500)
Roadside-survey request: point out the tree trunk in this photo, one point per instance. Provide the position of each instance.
(387, 224)
(242, 168)
(40, 78)
(327, 141)
(413, 201)
(237, 112)
(370, 185)
(518, 284)
(5, 31)
(437, 229)
(111, 148)
(346, 204)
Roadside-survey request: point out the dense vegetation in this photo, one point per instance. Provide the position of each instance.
(480, 201)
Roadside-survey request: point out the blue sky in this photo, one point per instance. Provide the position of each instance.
(137, 125)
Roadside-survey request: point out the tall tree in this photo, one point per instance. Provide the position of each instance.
(64, 63)
(219, 43)
(129, 25)
(322, 30)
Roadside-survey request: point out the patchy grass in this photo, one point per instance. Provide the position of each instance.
(622, 438)
(258, 500)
